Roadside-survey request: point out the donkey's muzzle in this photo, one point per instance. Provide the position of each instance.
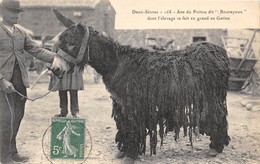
(58, 73)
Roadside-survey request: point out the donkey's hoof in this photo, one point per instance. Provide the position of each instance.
(120, 154)
(212, 153)
(128, 160)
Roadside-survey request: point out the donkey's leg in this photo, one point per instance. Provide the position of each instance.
(127, 135)
(219, 137)
(213, 122)
(119, 117)
(134, 123)
(132, 135)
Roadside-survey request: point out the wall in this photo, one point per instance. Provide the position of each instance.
(42, 20)
(105, 17)
(183, 37)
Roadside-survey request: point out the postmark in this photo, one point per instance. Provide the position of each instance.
(67, 140)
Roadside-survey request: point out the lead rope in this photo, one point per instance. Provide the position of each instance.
(36, 98)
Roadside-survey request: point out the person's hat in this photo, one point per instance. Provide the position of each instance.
(11, 5)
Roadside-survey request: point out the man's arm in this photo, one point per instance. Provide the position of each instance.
(37, 51)
(1, 76)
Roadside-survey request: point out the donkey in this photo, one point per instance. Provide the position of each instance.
(185, 88)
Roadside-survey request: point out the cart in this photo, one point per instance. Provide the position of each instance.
(242, 61)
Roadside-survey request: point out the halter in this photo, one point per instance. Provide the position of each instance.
(83, 47)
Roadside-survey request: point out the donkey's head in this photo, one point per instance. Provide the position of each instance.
(73, 45)
(72, 48)
(81, 45)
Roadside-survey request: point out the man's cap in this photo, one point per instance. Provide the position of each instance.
(12, 5)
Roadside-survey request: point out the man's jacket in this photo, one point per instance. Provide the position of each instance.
(13, 47)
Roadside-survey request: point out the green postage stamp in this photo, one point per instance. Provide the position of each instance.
(67, 138)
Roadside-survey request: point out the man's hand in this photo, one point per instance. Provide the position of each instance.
(6, 86)
(48, 65)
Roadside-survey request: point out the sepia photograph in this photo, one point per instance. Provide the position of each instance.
(129, 82)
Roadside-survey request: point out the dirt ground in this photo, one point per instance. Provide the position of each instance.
(95, 107)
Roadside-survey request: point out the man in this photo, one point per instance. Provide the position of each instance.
(13, 77)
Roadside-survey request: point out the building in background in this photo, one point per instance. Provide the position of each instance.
(40, 18)
(181, 37)
(100, 14)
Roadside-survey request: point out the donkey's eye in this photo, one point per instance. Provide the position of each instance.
(72, 41)
(70, 47)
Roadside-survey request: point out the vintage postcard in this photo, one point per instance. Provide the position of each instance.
(132, 81)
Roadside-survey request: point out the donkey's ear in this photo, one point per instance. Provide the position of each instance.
(67, 22)
(81, 26)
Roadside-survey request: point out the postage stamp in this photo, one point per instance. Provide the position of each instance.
(67, 139)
